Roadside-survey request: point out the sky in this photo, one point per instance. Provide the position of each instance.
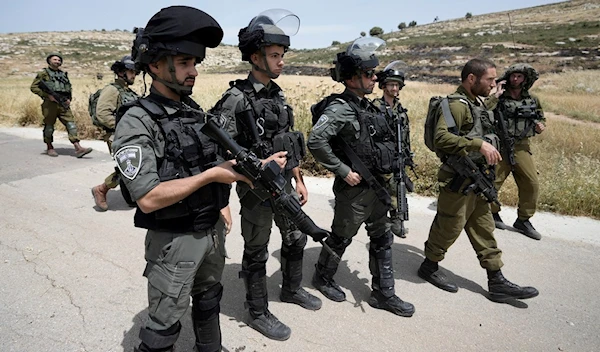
(321, 21)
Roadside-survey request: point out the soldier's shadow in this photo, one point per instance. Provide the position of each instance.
(407, 260)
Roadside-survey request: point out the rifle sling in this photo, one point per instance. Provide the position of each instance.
(362, 169)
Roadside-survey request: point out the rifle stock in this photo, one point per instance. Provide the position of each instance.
(400, 174)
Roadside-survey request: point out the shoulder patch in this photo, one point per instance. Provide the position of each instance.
(463, 101)
(323, 119)
(129, 160)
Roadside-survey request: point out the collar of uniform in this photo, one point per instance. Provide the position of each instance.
(121, 82)
(350, 95)
(524, 94)
(161, 99)
(462, 91)
(270, 89)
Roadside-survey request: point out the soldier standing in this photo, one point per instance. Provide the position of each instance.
(349, 132)
(258, 118)
(53, 86)
(391, 81)
(524, 116)
(180, 184)
(457, 210)
(111, 98)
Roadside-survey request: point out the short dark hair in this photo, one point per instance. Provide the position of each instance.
(477, 67)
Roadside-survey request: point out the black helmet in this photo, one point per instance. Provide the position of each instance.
(393, 72)
(175, 30)
(51, 55)
(126, 63)
(359, 56)
(270, 27)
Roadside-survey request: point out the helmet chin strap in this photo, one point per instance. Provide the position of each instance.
(123, 76)
(268, 70)
(173, 85)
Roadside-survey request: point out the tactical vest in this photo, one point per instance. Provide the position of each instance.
(483, 127)
(274, 120)
(376, 144)
(392, 114)
(188, 152)
(59, 82)
(521, 116)
(125, 95)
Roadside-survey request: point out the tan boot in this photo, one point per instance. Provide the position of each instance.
(99, 194)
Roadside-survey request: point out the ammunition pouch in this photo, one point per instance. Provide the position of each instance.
(293, 143)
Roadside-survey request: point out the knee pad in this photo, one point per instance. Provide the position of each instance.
(338, 243)
(256, 260)
(294, 249)
(160, 340)
(71, 128)
(205, 305)
(48, 131)
(382, 242)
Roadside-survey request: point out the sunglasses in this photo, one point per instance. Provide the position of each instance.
(369, 73)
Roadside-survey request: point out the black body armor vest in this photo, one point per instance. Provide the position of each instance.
(188, 152)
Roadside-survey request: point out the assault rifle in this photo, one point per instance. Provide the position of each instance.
(506, 140)
(262, 148)
(400, 175)
(482, 178)
(60, 99)
(269, 184)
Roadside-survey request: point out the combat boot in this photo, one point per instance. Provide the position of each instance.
(268, 325)
(99, 193)
(392, 304)
(501, 289)
(525, 227)
(301, 298)
(397, 228)
(81, 151)
(327, 286)
(498, 222)
(430, 272)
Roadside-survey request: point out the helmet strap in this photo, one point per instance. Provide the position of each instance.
(174, 85)
(268, 69)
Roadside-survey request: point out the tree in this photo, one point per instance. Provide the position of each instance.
(376, 32)
(335, 42)
(412, 23)
(362, 34)
(402, 25)
(468, 16)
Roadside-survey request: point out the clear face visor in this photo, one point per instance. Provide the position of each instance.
(285, 20)
(365, 47)
(396, 68)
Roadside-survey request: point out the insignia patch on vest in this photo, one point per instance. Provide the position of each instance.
(129, 160)
(321, 122)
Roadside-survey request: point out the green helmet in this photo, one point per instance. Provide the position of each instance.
(359, 56)
(51, 55)
(531, 75)
(393, 72)
(126, 63)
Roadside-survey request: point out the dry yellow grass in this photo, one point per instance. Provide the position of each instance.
(567, 155)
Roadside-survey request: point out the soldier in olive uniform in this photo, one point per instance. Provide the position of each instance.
(110, 100)
(258, 118)
(58, 82)
(391, 81)
(349, 121)
(455, 210)
(524, 116)
(180, 184)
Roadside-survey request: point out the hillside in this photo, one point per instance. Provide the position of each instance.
(553, 37)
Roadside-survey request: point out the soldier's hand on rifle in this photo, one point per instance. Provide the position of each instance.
(492, 155)
(279, 157)
(52, 98)
(499, 89)
(302, 192)
(539, 127)
(224, 173)
(353, 178)
(68, 102)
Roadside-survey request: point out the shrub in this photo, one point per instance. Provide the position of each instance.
(402, 25)
(376, 32)
(412, 23)
(468, 16)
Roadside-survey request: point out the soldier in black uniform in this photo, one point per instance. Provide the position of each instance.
(180, 184)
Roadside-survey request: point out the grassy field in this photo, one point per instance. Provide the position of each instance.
(567, 154)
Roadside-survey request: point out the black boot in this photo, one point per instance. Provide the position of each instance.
(261, 319)
(430, 272)
(327, 286)
(498, 222)
(525, 227)
(392, 304)
(501, 289)
(291, 269)
(326, 267)
(205, 316)
(397, 228)
(158, 341)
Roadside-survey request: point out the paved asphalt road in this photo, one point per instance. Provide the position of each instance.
(71, 277)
